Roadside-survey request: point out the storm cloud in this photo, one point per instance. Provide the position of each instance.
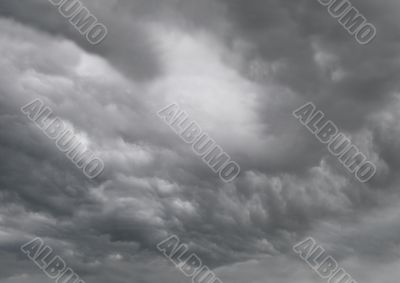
(199, 54)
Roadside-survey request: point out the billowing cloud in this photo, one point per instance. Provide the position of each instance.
(239, 69)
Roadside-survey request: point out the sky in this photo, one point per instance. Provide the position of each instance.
(239, 68)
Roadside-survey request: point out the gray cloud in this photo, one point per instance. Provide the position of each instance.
(198, 54)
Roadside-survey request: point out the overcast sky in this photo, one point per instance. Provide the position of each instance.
(200, 54)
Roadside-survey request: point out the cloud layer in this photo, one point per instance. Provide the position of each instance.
(201, 55)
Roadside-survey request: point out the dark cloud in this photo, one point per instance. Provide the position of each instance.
(127, 47)
(198, 54)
